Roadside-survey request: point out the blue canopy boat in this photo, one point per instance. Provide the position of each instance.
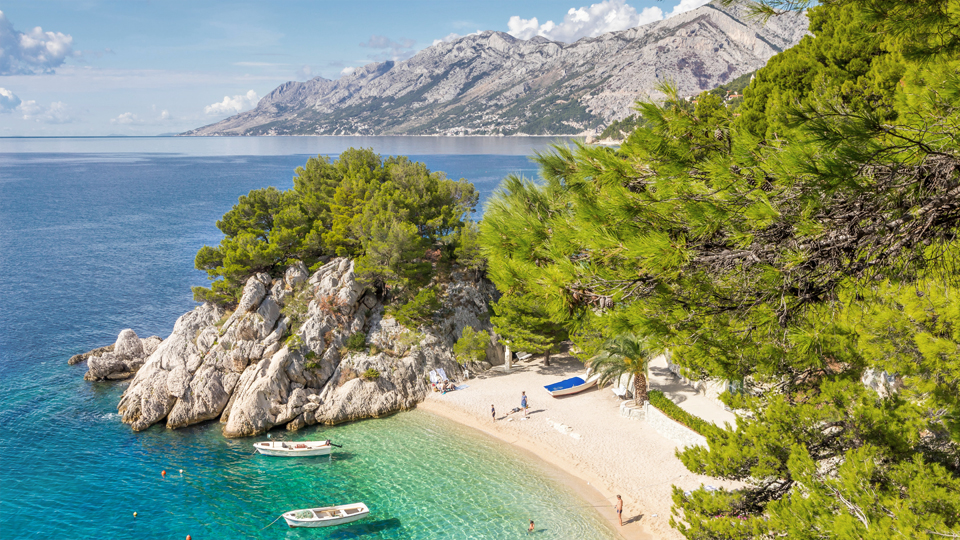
(572, 385)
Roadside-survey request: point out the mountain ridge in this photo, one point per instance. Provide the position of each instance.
(492, 83)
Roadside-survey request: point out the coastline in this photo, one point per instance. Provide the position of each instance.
(582, 436)
(588, 486)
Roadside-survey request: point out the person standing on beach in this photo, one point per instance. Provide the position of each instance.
(619, 508)
(530, 530)
(493, 413)
(523, 403)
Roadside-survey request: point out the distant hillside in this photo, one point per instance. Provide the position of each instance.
(732, 94)
(492, 83)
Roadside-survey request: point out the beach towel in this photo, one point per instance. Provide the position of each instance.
(433, 377)
(462, 387)
(442, 373)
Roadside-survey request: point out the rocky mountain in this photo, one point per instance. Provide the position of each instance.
(281, 357)
(492, 83)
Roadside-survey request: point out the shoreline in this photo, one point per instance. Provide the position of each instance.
(588, 486)
(584, 436)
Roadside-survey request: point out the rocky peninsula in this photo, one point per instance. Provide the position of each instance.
(282, 356)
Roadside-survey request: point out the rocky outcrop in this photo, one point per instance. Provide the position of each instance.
(492, 83)
(280, 358)
(120, 360)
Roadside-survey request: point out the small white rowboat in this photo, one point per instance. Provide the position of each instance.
(326, 516)
(291, 449)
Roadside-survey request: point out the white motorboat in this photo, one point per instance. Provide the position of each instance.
(294, 448)
(326, 516)
(572, 385)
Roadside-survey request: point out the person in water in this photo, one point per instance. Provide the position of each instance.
(523, 403)
(530, 530)
(619, 508)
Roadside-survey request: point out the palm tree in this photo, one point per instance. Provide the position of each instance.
(624, 354)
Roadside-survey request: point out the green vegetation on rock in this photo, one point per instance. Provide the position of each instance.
(472, 346)
(386, 213)
(419, 311)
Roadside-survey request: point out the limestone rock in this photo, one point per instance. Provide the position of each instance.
(128, 345)
(122, 359)
(492, 82)
(148, 400)
(252, 374)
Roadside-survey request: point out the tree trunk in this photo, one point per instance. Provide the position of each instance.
(546, 360)
(640, 388)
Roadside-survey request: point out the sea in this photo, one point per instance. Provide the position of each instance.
(98, 235)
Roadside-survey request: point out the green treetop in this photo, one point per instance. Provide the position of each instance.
(385, 212)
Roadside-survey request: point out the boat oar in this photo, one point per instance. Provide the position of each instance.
(336, 445)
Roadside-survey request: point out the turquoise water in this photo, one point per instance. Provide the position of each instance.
(97, 235)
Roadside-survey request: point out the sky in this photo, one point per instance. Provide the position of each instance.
(150, 67)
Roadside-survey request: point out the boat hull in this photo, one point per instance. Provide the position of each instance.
(290, 450)
(327, 517)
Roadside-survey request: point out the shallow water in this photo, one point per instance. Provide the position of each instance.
(99, 235)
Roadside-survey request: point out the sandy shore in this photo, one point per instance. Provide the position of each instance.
(582, 435)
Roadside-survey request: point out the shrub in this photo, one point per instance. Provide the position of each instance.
(371, 374)
(673, 411)
(224, 319)
(357, 342)
(406, 341)
(346, 375)
(311, 360)
(472, 345)
(418, 311)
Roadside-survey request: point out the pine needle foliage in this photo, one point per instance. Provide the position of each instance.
(804, 247)
(385, 212)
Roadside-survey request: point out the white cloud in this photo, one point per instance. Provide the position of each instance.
(126, 119)
(32, 52)
(165, 115)
(305, 73)
(8, 101)
(390, 50)
(233, 105)
(452, 36)
(687, 5)
(56, 113)
(347, 71)
(449, 38)
(607, 16)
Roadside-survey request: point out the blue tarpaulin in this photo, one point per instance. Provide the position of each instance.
(565, 384)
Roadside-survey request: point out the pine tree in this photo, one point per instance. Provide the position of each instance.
(808, 246)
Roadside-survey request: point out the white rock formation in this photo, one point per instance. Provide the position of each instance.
(120, 360)
(250, 371)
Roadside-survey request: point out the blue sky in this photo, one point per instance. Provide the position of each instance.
(145, 67)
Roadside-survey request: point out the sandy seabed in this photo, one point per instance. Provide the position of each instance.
(582, 435)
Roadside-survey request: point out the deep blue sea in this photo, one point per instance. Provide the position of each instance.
(98, 235)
